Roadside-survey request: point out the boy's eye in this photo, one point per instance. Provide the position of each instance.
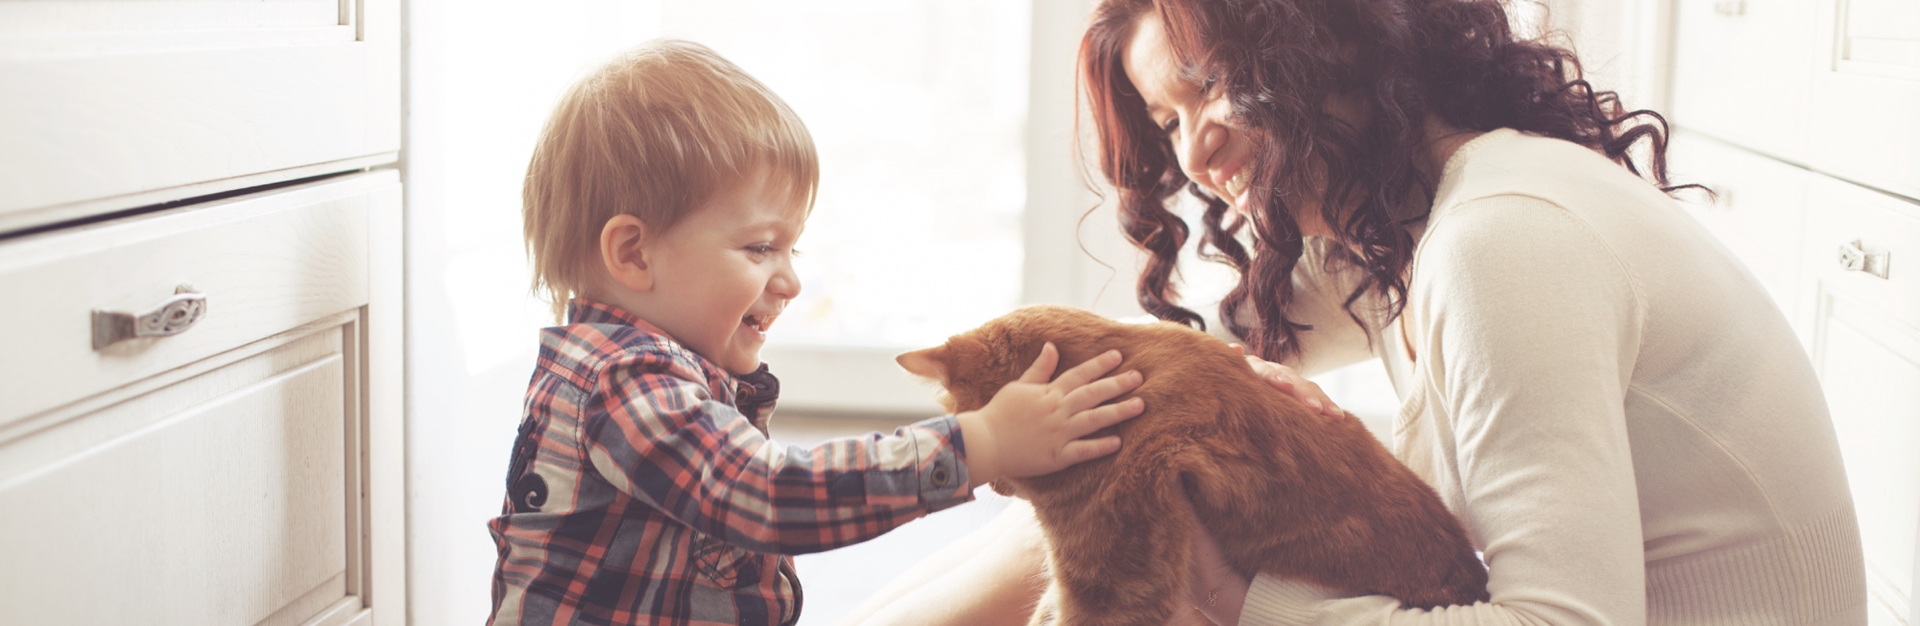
(760, 248)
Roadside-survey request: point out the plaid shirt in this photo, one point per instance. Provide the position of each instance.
(643, 488)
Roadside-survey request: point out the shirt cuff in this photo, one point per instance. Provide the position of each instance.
(920, 465)
(1273, 601)
(944, 481)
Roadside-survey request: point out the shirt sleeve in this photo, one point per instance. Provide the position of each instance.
(662, 438)
(1527, 331)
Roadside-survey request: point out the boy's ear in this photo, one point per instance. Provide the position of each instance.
(623, 249)
(928, 363)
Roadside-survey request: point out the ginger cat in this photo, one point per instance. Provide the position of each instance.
(1281, 488)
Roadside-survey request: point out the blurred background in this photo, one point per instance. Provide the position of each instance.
(950, 192)
(341, 179)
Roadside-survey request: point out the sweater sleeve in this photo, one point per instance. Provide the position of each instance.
(1526, 326)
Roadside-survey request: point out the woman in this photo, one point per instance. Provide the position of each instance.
(1621, 418)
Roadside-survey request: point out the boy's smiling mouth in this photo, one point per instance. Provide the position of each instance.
(760, 322)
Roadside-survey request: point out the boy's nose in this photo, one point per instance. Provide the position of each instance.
(785, 283)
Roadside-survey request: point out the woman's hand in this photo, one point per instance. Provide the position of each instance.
(1213, 586)
(1033, 427)
(1287, 380)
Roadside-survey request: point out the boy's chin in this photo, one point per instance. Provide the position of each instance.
(742, 365)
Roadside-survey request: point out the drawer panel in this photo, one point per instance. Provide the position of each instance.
(116, 105)
(1888, 231)
(220, 499)
(1728, 56)
(265, 263)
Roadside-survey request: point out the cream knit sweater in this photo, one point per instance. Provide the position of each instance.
(1610, 403)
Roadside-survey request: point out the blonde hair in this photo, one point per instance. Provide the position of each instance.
(654, 133)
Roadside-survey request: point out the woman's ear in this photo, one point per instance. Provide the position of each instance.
(623, 249)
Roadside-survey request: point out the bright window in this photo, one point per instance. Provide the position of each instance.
(919, 110)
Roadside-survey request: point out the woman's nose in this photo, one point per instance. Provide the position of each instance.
(1194, 145)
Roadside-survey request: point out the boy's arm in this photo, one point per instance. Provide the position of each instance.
(663, 439)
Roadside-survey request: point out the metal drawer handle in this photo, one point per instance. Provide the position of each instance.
(1856, 258)
(172, 317)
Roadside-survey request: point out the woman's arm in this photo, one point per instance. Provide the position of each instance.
(1527, 327)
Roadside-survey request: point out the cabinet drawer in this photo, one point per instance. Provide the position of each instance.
(115, 105)
(227, 497)
(264, 264)
(1884, 271)
(1865, 111)
(1729, 55)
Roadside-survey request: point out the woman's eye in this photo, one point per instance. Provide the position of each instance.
(1171, 125)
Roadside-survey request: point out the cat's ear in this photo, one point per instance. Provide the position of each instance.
(928, 363)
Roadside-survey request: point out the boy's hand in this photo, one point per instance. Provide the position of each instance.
(1033, 427)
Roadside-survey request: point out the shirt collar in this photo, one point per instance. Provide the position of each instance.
(584, 311)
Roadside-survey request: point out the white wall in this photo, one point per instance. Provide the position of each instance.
(481, 77)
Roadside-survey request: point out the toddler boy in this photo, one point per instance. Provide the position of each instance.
(661, 207)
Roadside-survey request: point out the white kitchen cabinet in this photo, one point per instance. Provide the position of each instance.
(243, 470)
(1865, 113)
(118, 104)
(1741, 70)
(200, 366)
(1860, 316)
(1805, 114)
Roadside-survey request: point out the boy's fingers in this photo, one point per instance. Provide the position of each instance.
(1043, 366)
(1086, 372)
(1080, 450)
(1087, 422)
(1098, 392)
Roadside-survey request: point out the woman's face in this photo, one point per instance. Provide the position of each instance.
(1213, 151)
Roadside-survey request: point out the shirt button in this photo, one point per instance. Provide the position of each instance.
(940, 476)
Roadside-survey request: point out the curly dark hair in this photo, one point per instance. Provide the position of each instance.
(1280, 63)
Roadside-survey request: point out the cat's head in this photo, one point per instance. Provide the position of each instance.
(974, 365)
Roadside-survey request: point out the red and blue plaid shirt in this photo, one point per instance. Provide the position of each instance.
(643, 488)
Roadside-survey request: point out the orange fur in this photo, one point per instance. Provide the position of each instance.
(1281, 488)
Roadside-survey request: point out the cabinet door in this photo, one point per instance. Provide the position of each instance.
(1741, 70)
(229, 496)
(1866, 94)
(1756, 208)
(1863, 331)
(112, 105)
(236, 461)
